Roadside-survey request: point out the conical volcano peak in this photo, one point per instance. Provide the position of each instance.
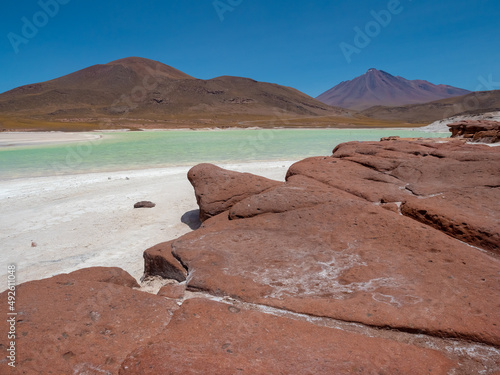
(374, 71)
(377, 87)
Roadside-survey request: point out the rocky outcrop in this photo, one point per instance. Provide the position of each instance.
(81, 323)
(353, 261)
(441, 126)
(457, 185)
(382, 258)
(159, 261)
(400, 234)
(111, 275)
(223, 339)
(217, 189)
(476, 130)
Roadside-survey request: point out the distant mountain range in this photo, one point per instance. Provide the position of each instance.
(140, 91)
(377, 87)
(474, 103)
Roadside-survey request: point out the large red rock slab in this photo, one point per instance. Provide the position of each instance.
(297, 192)
(351, 177)
(68, 325)
(426, 168)
(207, 337)
(465, 177)
(113, 275)
(218, 189)
(470, 215)
(353, 261)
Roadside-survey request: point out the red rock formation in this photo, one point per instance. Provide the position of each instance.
(112, 275)
(476, 130)
(321, 243)
(353, 261)
(159, 261)
(173, 291)
(461, 179)
(84, 322)
(382, 258)
(222, 339)
(218, 189)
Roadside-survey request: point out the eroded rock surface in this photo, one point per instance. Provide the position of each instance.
(476, 130)
(350, 260)
(112, 275)
(382, 258)
(217, 189)
(399, 234)
(373, 234)
(81, 323)
(206, 337)
(457, 185)
(159, 261)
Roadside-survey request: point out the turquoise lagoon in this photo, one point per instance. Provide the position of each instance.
(151, 149)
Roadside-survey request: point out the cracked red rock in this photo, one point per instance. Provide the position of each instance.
(78, 323)
(352, 261)
(206, 337)
(379, 234)
(217, 189)
(321, 244)
(476, 130)
(159, 261)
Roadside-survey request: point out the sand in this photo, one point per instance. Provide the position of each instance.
(52, 225)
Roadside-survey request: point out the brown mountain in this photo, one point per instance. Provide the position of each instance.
(473, 103)
(144, 92)
(377, 87)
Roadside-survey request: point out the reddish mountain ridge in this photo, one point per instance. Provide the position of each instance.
(377, 87)
(142, 91)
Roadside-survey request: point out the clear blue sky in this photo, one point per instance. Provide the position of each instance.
(293, 43)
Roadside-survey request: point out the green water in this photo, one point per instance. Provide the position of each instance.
(138, 150)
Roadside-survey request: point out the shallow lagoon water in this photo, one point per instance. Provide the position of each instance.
(150, 149)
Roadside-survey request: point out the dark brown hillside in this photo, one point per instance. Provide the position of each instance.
(144, 91)
(474, 103)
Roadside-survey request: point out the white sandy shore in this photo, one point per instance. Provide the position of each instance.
(88, 220)
(8, 139)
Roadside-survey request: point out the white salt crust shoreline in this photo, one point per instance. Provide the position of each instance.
(16, 139)
(88, 220)
(19, 139)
